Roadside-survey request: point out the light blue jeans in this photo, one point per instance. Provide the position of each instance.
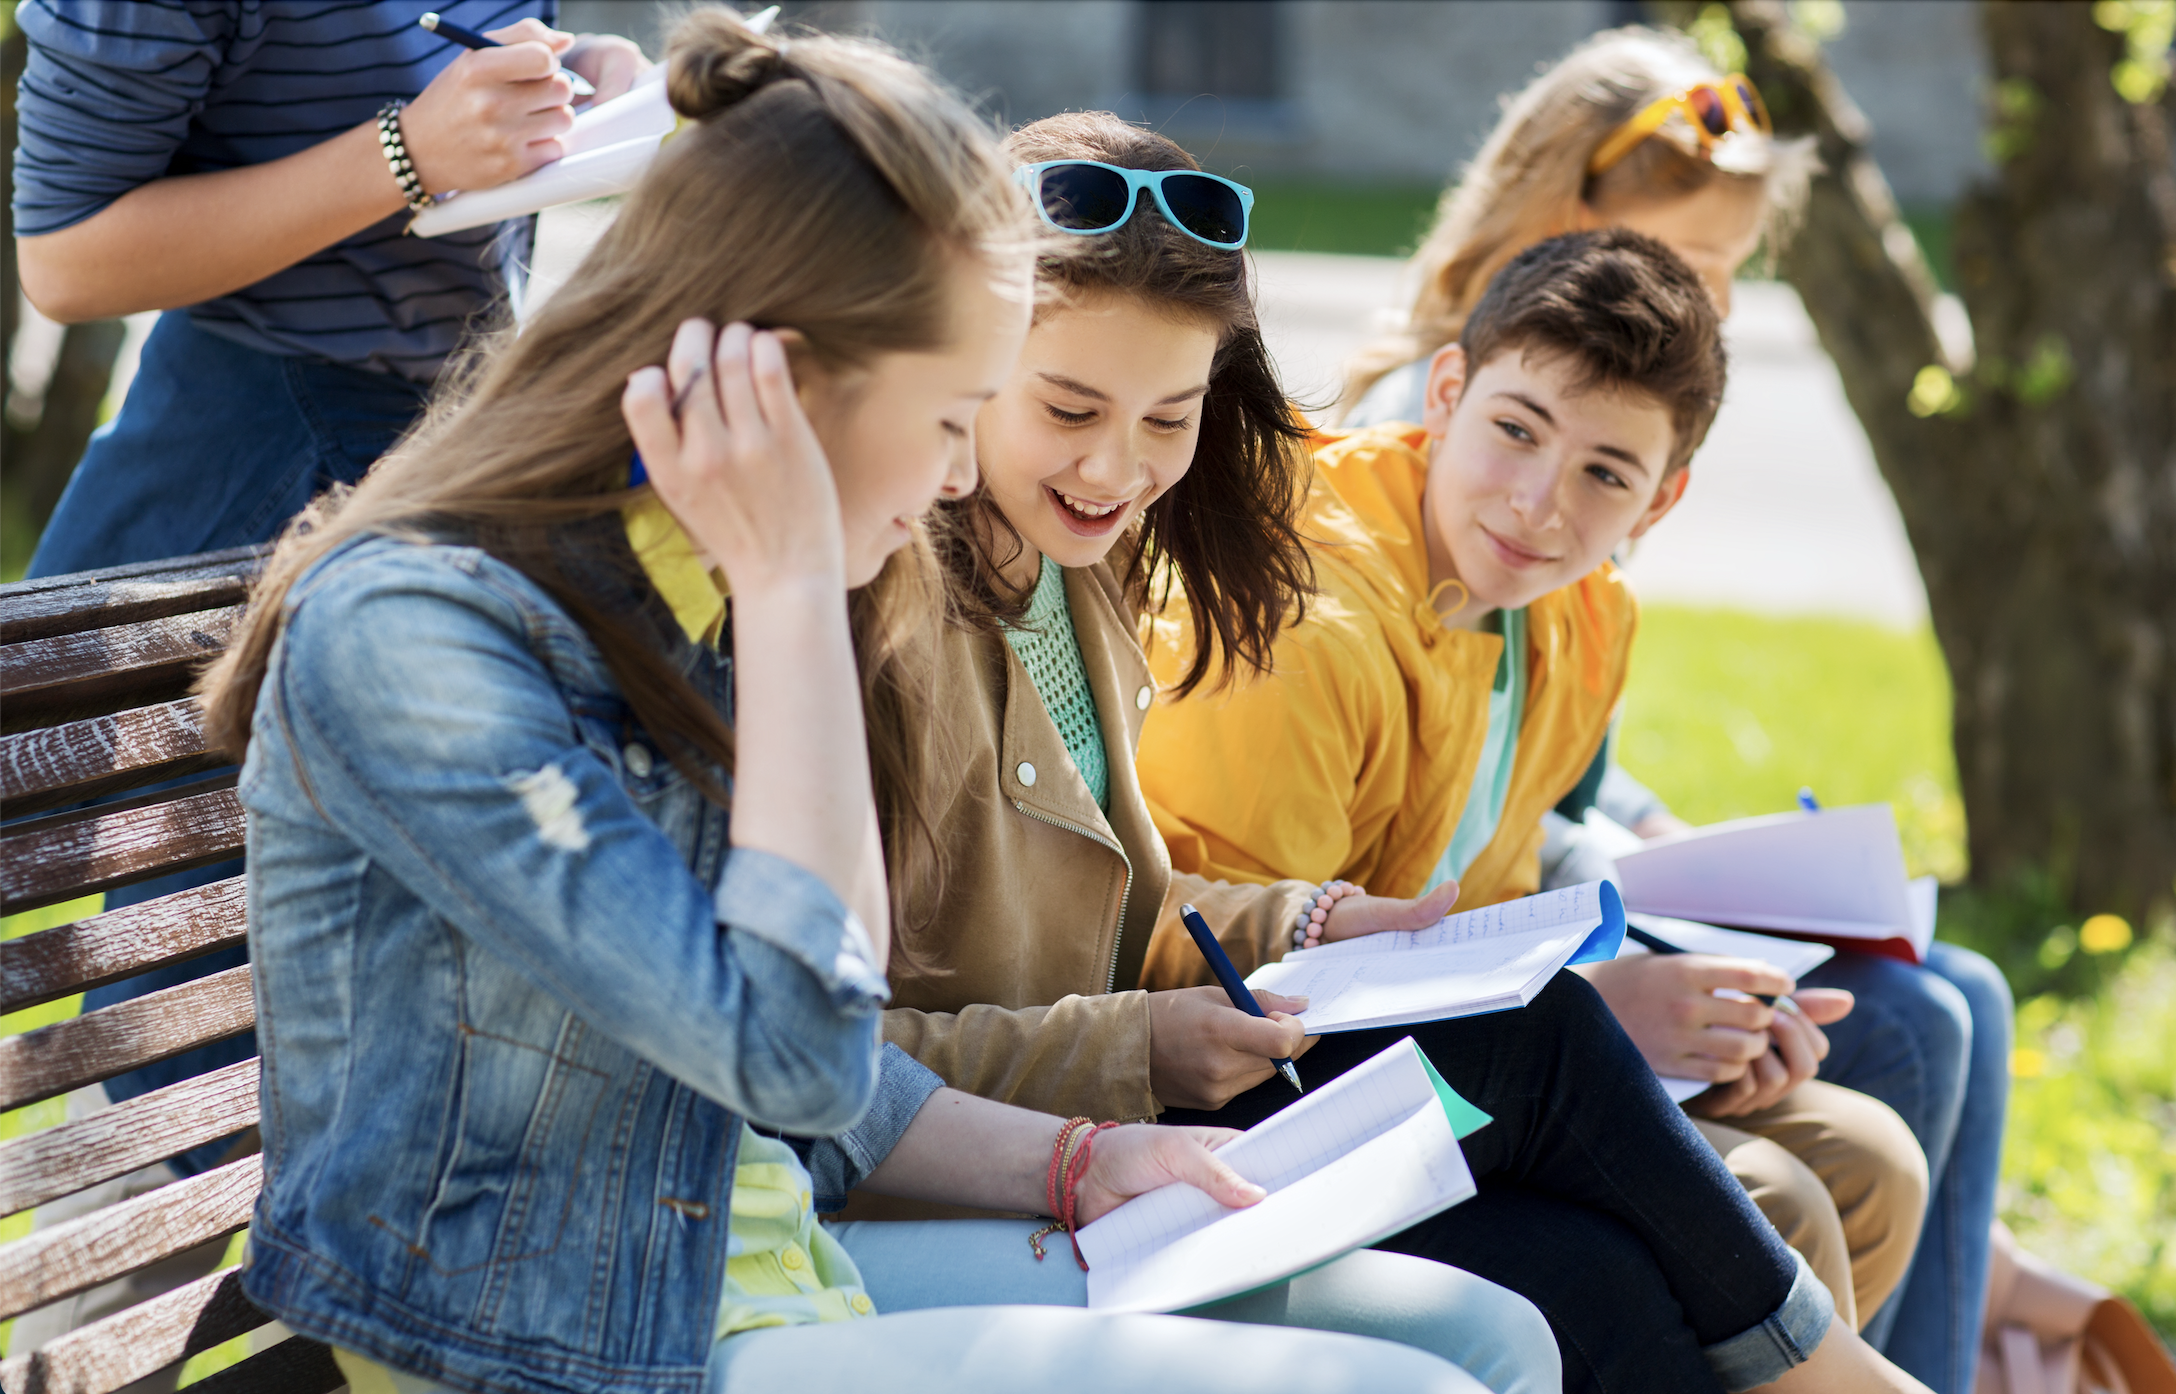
(954, 1292)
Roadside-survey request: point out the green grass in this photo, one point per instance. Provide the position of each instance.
(1374, 220)
(1728, 714)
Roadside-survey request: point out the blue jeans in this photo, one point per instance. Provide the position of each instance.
(1489, 1332)
(1933, 1043)
(216, 445)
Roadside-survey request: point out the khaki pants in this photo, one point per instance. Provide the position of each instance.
(1843, 1181)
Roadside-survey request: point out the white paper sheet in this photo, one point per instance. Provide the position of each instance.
(1363, 1157)
(1486, 960)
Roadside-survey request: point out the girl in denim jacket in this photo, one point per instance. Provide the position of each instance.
(560, 917)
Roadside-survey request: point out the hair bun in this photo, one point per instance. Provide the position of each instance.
(716, 60)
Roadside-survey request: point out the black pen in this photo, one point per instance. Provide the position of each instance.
(1655, 943)
(1228, 977)
(468, 38)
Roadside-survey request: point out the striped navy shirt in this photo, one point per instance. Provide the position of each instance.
(118, 93)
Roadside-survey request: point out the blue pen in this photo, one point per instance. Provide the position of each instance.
(1234, 988)
(1807, 801)
(468, 38)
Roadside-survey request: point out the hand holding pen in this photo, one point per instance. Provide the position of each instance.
(1232, 985)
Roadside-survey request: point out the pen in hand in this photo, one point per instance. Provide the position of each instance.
(1655, 943)
(1234, 987)
(468, 38)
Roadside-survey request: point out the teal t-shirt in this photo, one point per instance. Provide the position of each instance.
(1492, 776)
(1050, 651)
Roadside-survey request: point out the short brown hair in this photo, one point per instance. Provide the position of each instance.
(1625, 308)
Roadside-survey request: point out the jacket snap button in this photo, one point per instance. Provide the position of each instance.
(637, 758)
(1145, 696)
(792, 1257)
(1027, 774)
(861, 1304)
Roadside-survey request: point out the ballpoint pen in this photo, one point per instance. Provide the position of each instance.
(468, 38)
(1234, 987)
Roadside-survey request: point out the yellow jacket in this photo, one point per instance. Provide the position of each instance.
(1354, 758)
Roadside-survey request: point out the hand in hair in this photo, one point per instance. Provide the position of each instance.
(740, 467)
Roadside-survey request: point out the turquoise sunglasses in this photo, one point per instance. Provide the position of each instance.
(1086, 197)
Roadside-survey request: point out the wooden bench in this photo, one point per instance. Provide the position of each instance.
(94, 677)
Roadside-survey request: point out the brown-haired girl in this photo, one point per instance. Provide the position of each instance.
(536, 997)
(1141, 436)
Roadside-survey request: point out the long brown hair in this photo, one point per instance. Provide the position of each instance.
(1228, 532)
(1530, 178)
(829, 187)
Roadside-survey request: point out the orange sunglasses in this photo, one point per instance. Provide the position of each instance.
(1712, 109)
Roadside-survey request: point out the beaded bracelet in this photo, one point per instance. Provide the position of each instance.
(1068, 1164)
(1315, 913)
(396, 157)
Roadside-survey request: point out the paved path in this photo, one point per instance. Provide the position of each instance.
(1786, 512)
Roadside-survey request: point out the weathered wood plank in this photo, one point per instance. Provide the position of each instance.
(134, 1133)
(106, 948)
(97, 670)
(56, 862)
(294, 1366)
(49, 1264)
(57, 765)
(112, 1040)
(146, 1338)
(148, 590)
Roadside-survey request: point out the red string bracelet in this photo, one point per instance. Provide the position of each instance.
(1060, 1155)
(1073, 1175)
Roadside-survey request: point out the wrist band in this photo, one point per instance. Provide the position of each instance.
(1314, 914)
(396, 157)
(1068, 1164)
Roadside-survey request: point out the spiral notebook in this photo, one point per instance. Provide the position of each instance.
(1371, 1153)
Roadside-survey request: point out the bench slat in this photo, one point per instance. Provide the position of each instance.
(115, 1141)
(57, 765)
(294, 1366)
(99, 851)
(148, 590)
(113, 1040)
(49, 1264)
(118, 944)
(100, 670)
(142, 1340)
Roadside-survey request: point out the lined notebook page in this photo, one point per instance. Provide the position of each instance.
(1361, 1104)
(1531, 914)
(1375, 1156)
(1351, 991)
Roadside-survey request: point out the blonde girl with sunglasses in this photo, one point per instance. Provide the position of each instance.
(1636, 129)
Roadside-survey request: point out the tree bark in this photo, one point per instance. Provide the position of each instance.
(2039, 490)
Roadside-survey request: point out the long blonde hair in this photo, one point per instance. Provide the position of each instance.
(1530, 178)
(829, 187)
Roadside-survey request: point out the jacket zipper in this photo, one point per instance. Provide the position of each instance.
(1110, 979)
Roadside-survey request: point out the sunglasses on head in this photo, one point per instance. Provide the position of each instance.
(1087, 196)
(1712, 109)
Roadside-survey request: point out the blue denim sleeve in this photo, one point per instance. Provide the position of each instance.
(107, 93)
(837, 1165)
(427, 732)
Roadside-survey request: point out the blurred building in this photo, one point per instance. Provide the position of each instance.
(1362, 91)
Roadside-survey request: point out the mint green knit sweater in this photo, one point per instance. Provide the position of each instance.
(1050, 651)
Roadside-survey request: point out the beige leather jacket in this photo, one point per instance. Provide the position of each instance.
(1031, 986)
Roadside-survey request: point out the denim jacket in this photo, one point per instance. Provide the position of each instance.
(516, 992)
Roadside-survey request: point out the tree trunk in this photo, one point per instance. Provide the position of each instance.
(2039, 487)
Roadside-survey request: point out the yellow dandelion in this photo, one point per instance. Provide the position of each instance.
(2104, 934)
(2027, 1063)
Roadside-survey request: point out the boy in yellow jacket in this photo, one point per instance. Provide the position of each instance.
(1457, 674)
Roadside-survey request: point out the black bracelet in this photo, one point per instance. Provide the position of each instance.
(396, 157)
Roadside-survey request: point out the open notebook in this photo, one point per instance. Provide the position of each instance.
(611, 144)
(1369, 1154)
(1836, 876)
(1789, 956)
(1485, 960)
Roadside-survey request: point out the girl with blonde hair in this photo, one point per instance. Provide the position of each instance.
(1636, 129)
(563, 913)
